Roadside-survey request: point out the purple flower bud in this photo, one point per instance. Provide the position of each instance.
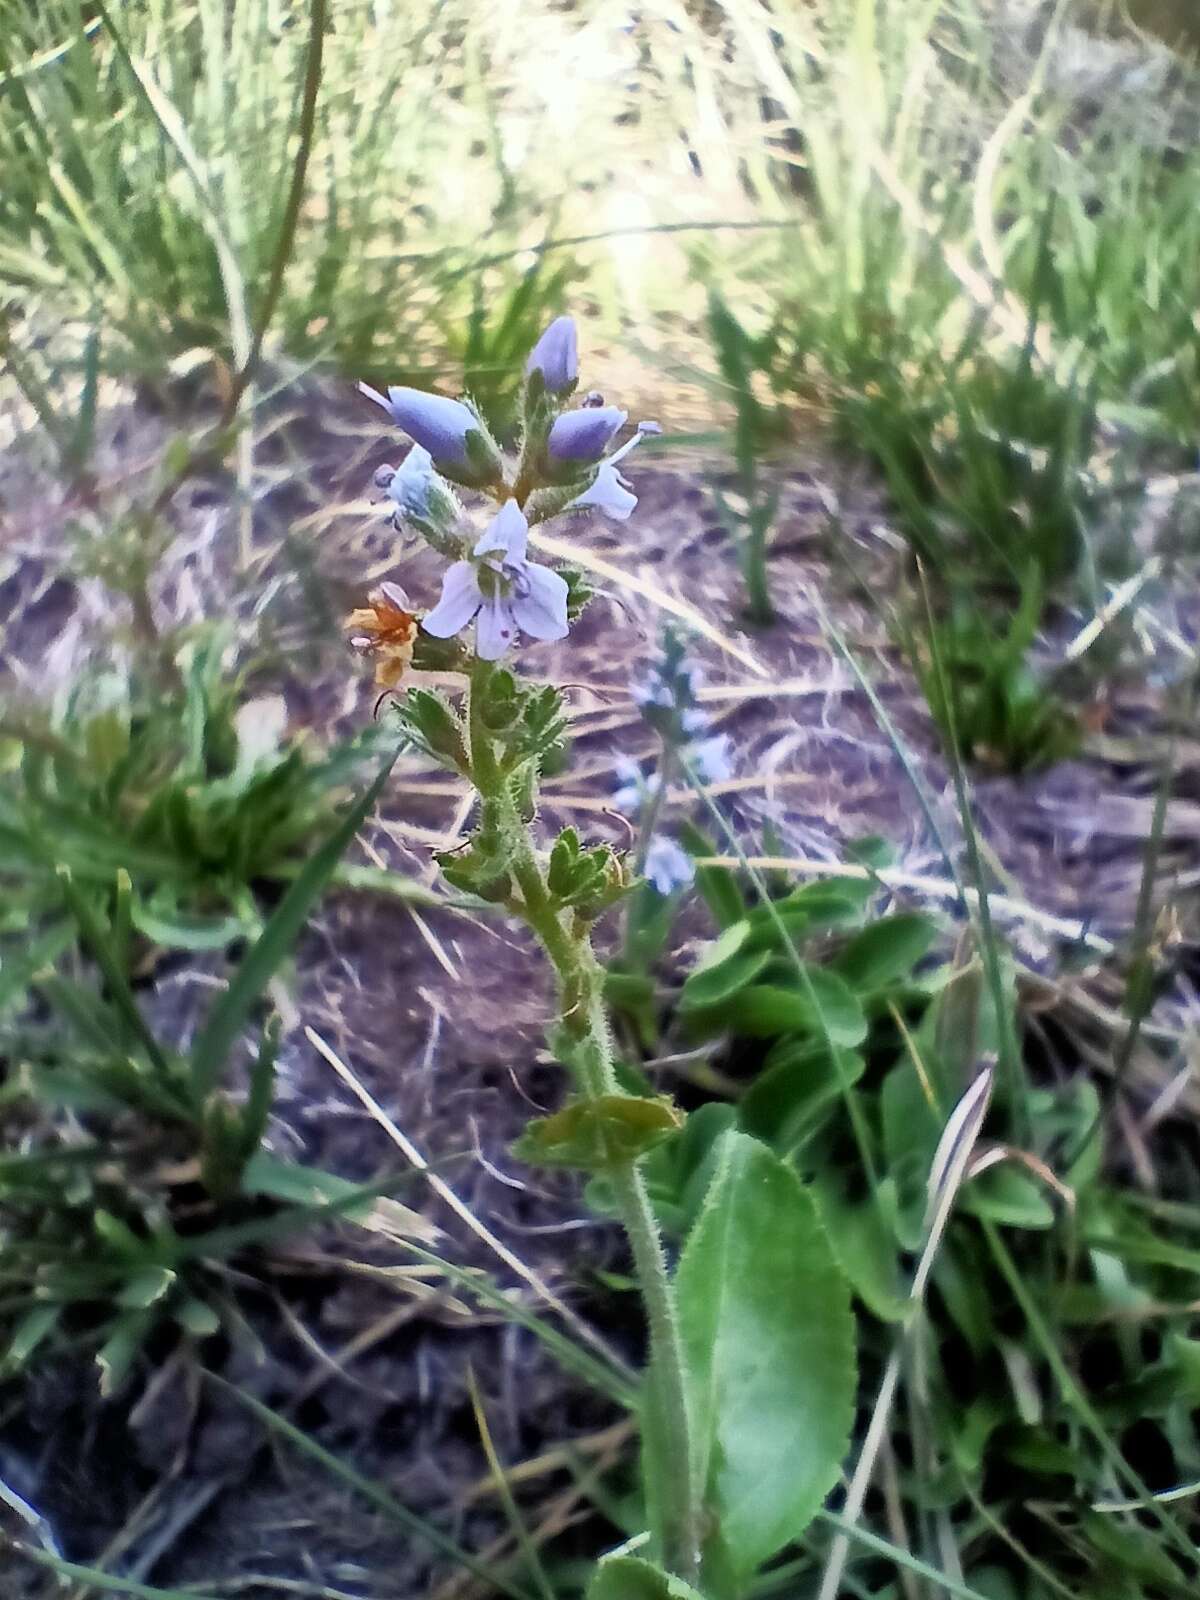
(583, 435)
(438, 424)
(556, 356)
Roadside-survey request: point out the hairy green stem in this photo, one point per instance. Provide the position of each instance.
(583, 1015)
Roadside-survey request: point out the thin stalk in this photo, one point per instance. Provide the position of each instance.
(1010, 1055)
(1139, 989)
(650, 815)
(291, 214)
(584, 1016)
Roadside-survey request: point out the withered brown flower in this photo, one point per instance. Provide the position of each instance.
(386, 629)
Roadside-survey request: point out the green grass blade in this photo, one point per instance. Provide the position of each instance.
(99, 943)
(228, 1017)
(372, 1492)
(105, 1582)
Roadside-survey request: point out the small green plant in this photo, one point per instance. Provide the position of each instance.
(982, 689)
(735, 1457)
(198, 794)
(131, 1170)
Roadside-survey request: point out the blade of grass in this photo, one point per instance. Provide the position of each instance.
(946, 1177)
(446, 1194)
(104, 1581)
(901, 1558)
(1074, 1396)
(375, 1494)
(1010, 1058)
(228, 1016)
(291, 215)
(99, 943)
(511, 1510)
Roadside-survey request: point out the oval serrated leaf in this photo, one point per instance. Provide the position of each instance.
(768, 1342)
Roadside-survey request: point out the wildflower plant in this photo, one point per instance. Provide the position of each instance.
(495, 599)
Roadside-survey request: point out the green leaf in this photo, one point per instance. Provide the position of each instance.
(887, 950)
(764, 1010)
(715, 982)
(679, 1172)
(1006, 1195)
(613, 1130)
(796, 1092)
(266, 955)
(866, 1249)
(631, 1578)
(99, 943)
(196, 1317)
(145, 1288)
(119, 1350)
(36, 1325)
(769, 1352)
(911, 1130)
(718, 886)
(176, 931)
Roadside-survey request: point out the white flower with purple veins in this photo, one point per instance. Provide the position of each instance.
(507, 593)
(668, 867)
(556, 356)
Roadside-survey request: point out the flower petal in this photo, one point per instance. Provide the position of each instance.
(709, 759)
(496, 628)
(608, 492)
(539, 602)
(583, 435)
(506, 534)
(556, 356)
(439, 424)
(667, 866)
(461, 599)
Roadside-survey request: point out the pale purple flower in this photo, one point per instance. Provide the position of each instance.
(556, 356)
(668, 867)
(583, 435)
(506, 592)
(607, 492)
(420, 493)
(634, 787)
(652, 693)
(709, 759)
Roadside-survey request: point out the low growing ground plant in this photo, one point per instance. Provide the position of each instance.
(132, 1172)
(198, 793)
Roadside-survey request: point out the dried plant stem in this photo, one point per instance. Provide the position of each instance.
(584, 1018)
